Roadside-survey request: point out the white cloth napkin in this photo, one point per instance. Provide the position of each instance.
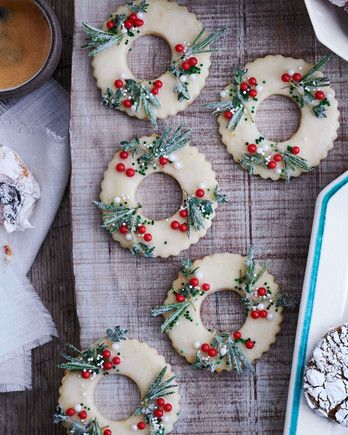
(36, 127)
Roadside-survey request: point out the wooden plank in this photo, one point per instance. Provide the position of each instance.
(114, 288)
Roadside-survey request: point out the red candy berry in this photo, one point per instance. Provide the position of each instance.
(147, 237)
(107, 432)
(163, 161)
(205, 347)
(237, 335)
(130, 172)
(297, 77)
(138, 22)
(116, 360)
(167, 407)
(286, 77)
(295, 150)
(160, 401)
(212, 352)
(277, 157)
(244, 86)
(179, 48)
(249, 344)
(200, 193)
(263, 314)
(154, 91)
(107, 365)
(141, 229)
(118, 83)
(252, 93)
(158, 413)
(205, 287)
(70, 412)
(128, 24)
(158, 84)
(82, 415)
(261, 291)
(123, 229)
(185, 65)
(252, 148)
(132, 17)
(85, 375)
(228, 114)
(180, 298)
(141, 425)
(120, 167)
(127, 104)
(110, 24)
(124, 155)
(106, 354)
(255, 314)
(319, 95)
(272, 164)
(183, 213)
(193, 61)
(183, 228)
(194, 282)
(252, 81)
(175, 225)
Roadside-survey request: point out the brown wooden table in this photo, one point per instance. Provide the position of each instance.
(30, 412)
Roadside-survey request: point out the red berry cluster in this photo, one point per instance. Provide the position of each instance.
(127, 103)
(82, 414)
(247, 88)
(194, 282)
(157, 84)
(107, 365)
(183, 227)
(161, 408)
(120, 167)
(276, 158)
(141, 231)
(296, 77)
(256, 314)
(133, 21)
(189, 63)
(211, 351)
(249, 344)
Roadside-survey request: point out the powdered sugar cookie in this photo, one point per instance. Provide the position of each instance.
(174, 90)
(326, 376)
(214, 350)
(170, 154)
(293, 78)
(115, 354)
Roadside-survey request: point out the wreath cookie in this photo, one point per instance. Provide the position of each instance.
(293, 78)
(173, 91)
(171, 154)
(115, 354)
(212, 350)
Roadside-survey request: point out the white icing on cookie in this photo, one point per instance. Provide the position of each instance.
(326, 376)
(313, 139)
(18, 191)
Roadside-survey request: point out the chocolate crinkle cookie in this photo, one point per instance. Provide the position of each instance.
(326, 376)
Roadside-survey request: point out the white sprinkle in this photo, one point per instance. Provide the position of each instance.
(202, 185)
(115, 346)
(259, 88)
(269, 316)
(166, 419)
(124, 30)
(196, 344)
(129, 236)
(117, 199)
(278, 171)
(178, 165)
(291, 72)
(193, 77)
(259, 150)
(224, 94)
(198, 274)
(172, 157)
(223, 351)
(261, 307)
(265, 147)
(140, 15)
(183, 78)
(123, 75)
(78, 408)
(134, 428)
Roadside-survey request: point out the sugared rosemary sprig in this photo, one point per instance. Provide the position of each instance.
(172, 139)
(140, 96)
(235, 103)
(179, 309)
(90, 427)
(302, 91)
(158, 388)
(89, 359)
(201, 44)
(198, 211)
(141, 7)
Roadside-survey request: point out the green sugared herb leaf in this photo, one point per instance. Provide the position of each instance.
(117, 334)
(141, 7)
(84, 360)
(98, 40)
(89, 427)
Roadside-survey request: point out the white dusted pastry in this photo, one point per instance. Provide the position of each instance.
(18, 191)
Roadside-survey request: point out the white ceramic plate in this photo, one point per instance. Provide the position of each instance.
(324, 302)
(330, 25)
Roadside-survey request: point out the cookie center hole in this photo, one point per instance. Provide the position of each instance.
(149, 57)
(278, 118)
(223, 311)
(116, 397)
(160, 196)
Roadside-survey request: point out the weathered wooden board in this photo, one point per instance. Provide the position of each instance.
(112, 287)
